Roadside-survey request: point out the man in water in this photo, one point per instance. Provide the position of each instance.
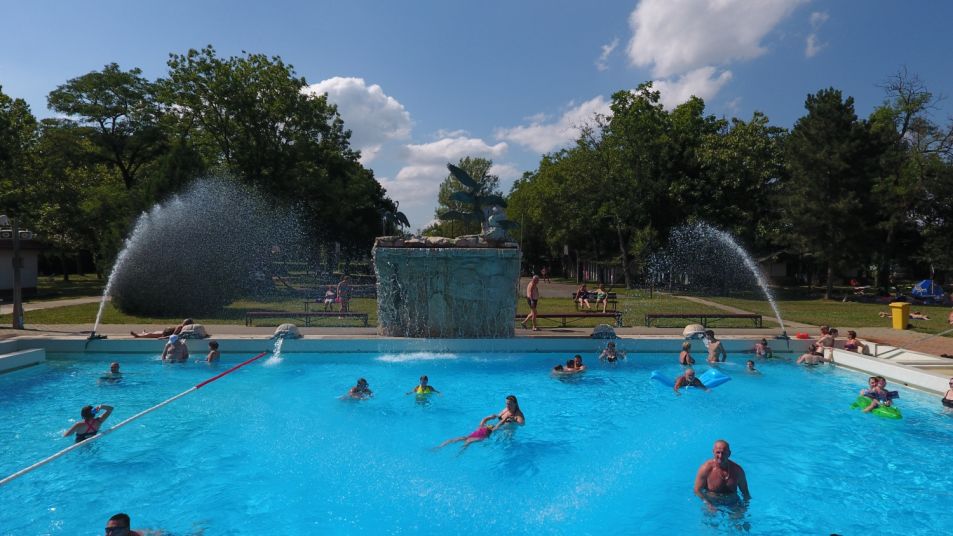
(118, 525)
(688, 379)
(175, 350)
(113, 375)
(719, 479)
(532, 298)
(715, 349)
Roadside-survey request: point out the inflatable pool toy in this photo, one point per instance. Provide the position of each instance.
(887, 412)
(711, 378)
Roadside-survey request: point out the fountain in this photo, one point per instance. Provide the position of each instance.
(700, 256)
(451, 288)
(197, 251)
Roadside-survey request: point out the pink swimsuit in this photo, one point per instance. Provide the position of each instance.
(481, 433)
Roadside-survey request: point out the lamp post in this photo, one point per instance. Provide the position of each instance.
(17, 267)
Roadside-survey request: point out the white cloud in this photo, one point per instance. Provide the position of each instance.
(417, 182)
(373, 117)
(704, 82)
(545, 137)
(676, 36)
(602, 62)
(813, 45)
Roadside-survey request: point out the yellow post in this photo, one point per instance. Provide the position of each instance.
(900, 313)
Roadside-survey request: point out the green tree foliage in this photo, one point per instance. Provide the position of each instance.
(121, 109)
(248, 116)
(18, 135)
(830, 177)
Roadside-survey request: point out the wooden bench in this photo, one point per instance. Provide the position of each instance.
(612, 301)
(250, 316)
(564, 317)
(702, 318)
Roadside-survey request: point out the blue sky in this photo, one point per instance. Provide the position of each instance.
(422, 83)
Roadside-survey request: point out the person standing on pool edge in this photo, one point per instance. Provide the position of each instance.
(720, 478)
(532, 298)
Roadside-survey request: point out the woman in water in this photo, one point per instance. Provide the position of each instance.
(947, 399)
(685, 357)
(511, 413)
(610, 354)
(852, 344)
(90, 425)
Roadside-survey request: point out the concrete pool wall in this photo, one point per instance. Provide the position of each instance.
(919, 371)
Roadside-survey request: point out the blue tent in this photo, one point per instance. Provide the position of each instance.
(928, 290)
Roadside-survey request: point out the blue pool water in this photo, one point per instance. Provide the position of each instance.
(271, 449)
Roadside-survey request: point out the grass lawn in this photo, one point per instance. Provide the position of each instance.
(818, 311)
(78, 286)
(232, 314)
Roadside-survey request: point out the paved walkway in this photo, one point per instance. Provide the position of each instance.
(7, 308)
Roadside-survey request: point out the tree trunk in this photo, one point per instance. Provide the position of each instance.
(830, 282)
(64, 266)
(625, 254)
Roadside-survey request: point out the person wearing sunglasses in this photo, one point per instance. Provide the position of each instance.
(118, 525)
(947, 399)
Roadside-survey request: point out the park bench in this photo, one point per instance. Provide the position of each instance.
(250, 316)
(702, 318)
(564, 318)
(612, 301)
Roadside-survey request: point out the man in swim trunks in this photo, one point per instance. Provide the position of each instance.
(118, 525)
(113, 375)
(175, 350)
(719, 479)
(715, 348)
(688, 379)
(577, 362)
(532, 298)
(423, 388)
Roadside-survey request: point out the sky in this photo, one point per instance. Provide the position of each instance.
(421, 83)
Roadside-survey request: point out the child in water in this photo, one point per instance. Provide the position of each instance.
(751, 369)
(213, 353)
(482, 432)
(610, 354)
(423, 388)
(761, 349)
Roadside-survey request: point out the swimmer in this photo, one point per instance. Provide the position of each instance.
(716, 351)
(720, 479)
(90, 425)
(577, 362)
(113, 376)
(610, 354)
(688, 379)
(558, 369)
(877, 393)
(761, 349)
(119, 525)
(361, 391)
(482, 432)
(423, 388)
(750, 367)
(685, 357)
(213, 353)
(947, 399)
(511, 413)
(814, 356)
(175, 351)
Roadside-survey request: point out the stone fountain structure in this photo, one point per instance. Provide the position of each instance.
(461, 288)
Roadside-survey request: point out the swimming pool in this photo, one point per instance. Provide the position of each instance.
(271, 449)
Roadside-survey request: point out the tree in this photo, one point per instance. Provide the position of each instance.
(121, 108)
(455, 198)
(247, 115)
(829, 176)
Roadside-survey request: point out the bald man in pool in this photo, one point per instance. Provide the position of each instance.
(719, 479)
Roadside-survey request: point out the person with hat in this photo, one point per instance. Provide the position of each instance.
(175, 351)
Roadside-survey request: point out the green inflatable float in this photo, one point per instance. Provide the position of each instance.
(887, 412)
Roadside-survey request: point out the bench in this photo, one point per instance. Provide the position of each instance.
(702, 318)
(250, 316)
(612, 300)
(564, 317)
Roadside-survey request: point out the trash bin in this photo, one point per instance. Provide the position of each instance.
(900, 313)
